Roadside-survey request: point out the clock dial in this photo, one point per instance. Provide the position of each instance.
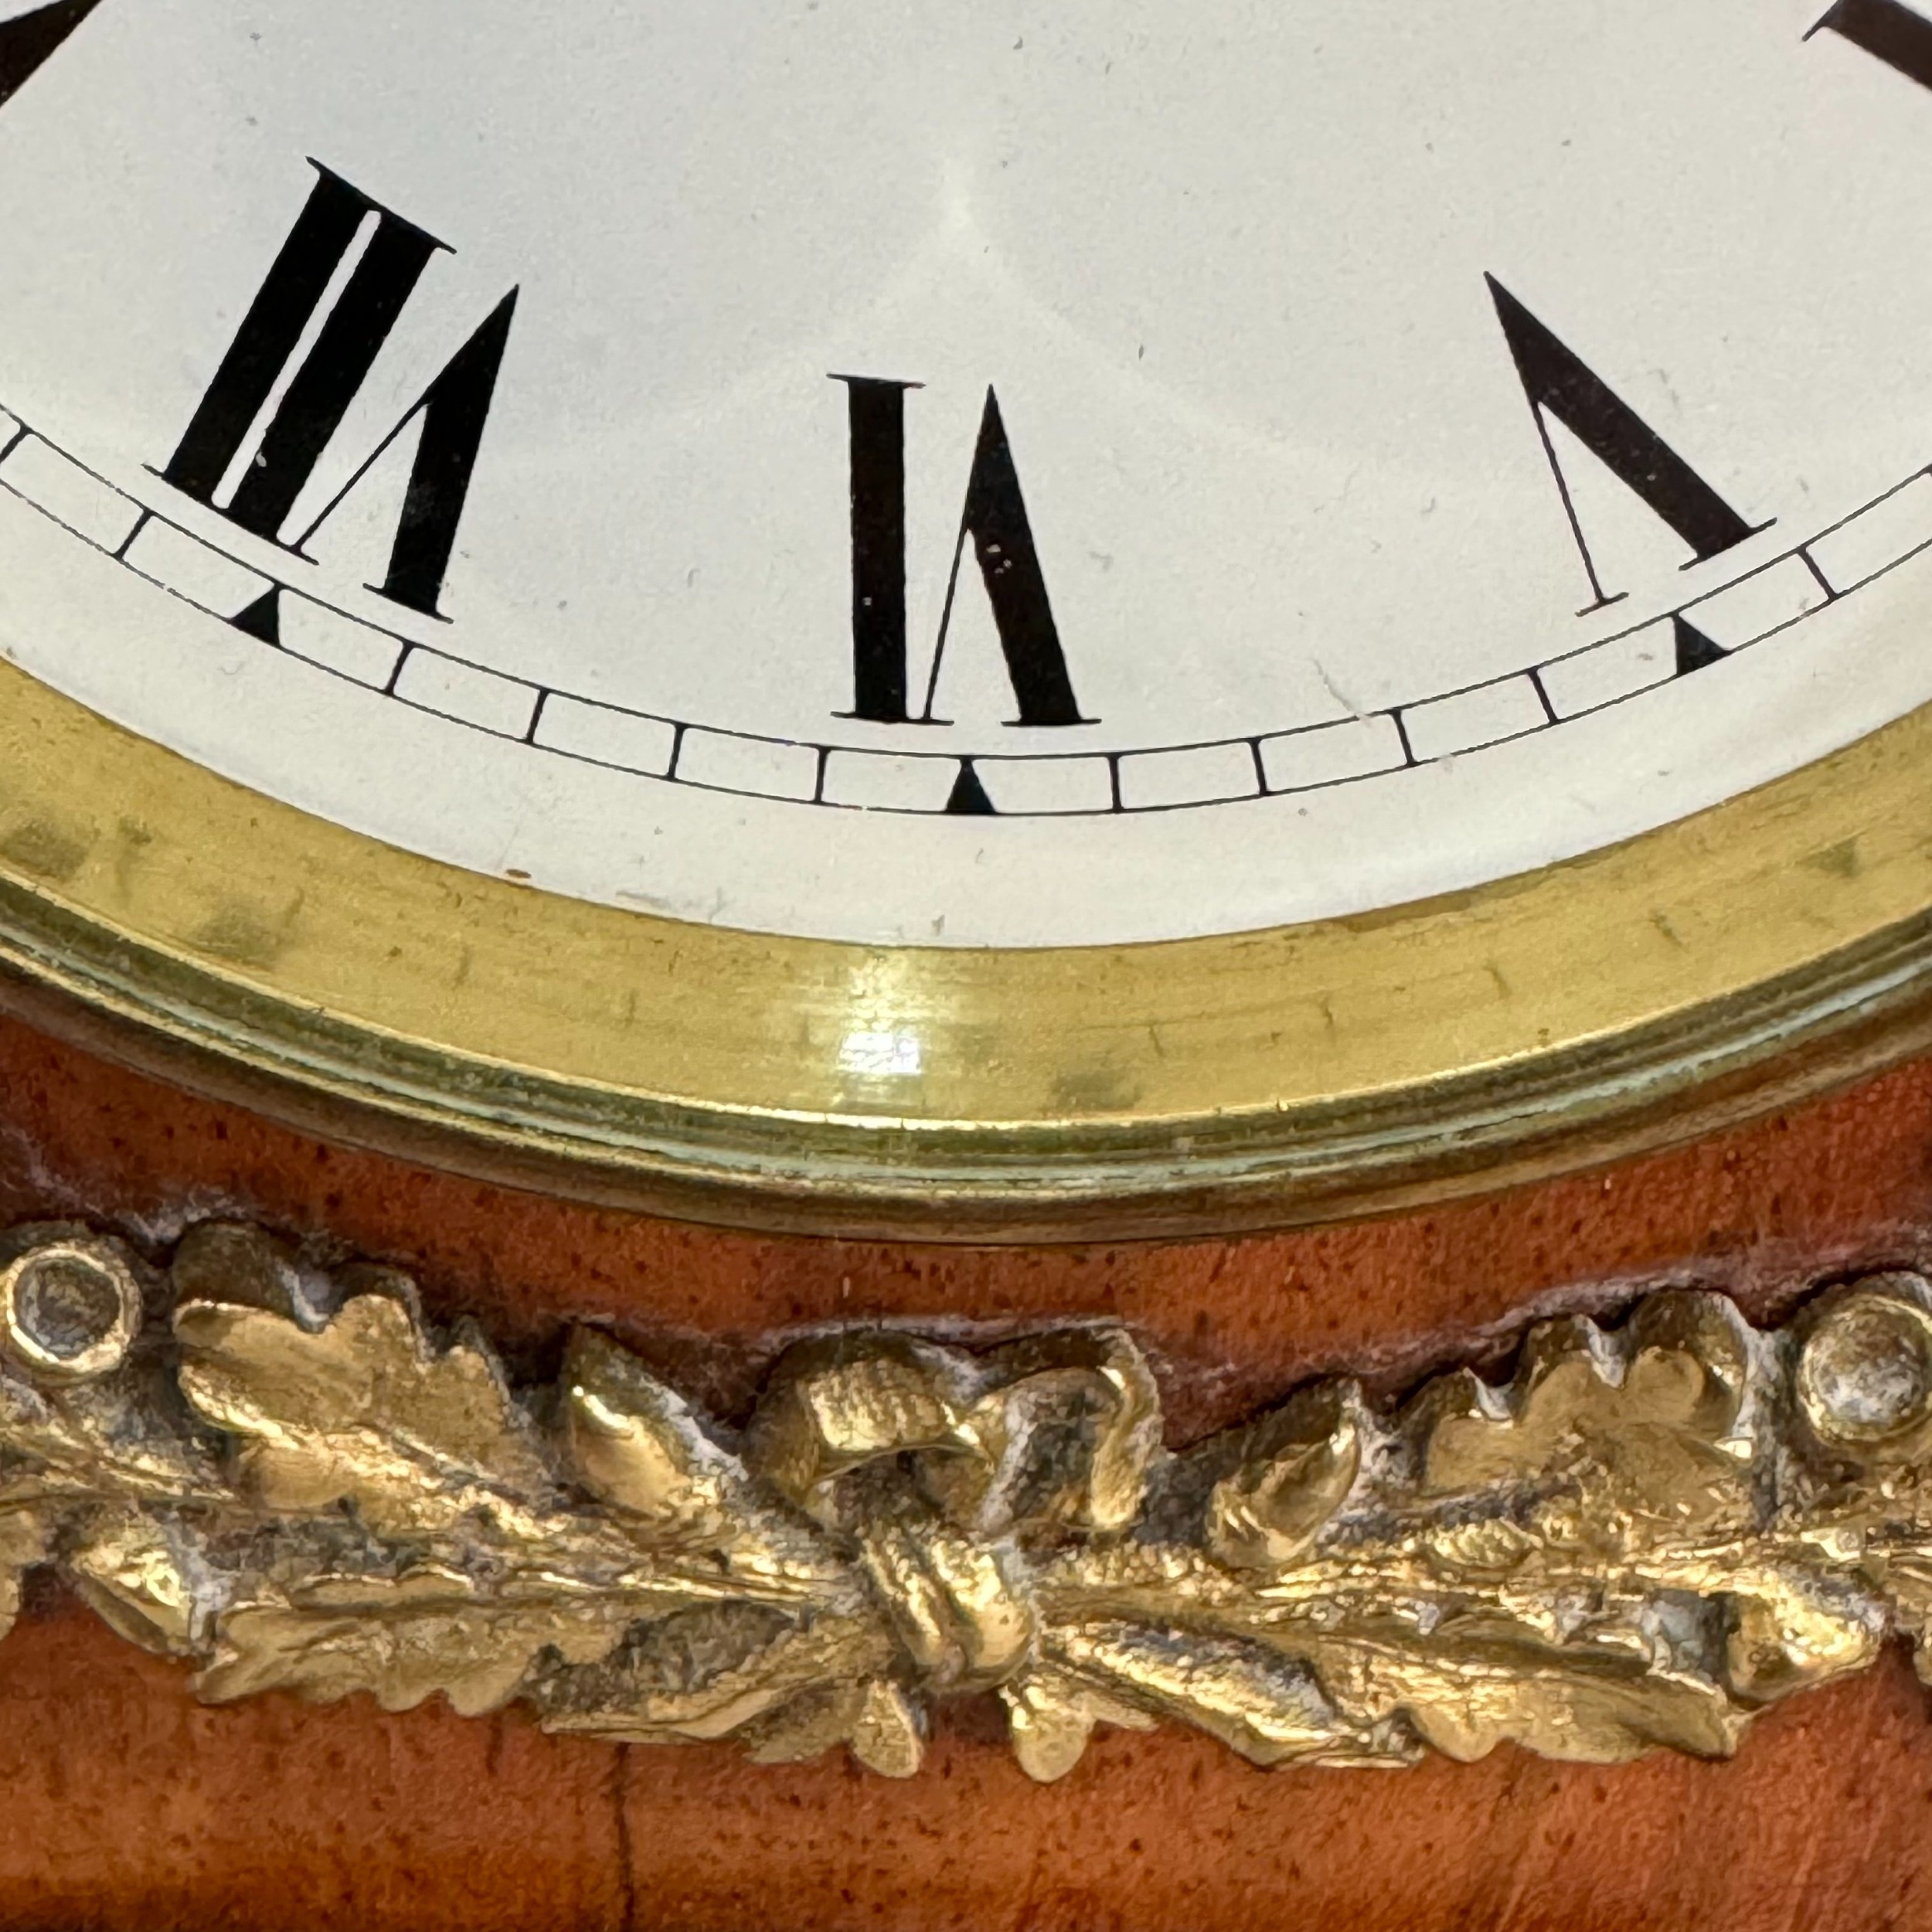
(1026, 476)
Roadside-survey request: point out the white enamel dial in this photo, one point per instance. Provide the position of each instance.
(1013, 475)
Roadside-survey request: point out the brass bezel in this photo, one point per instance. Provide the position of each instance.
(1759, 951)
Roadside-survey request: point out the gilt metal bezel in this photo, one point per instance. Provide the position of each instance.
(1763, 950)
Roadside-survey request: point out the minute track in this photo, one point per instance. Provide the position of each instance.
(1814, 574)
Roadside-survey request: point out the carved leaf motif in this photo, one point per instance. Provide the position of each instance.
(140, 1576)
(1296, 1469)
(1648, 1415)
(1791, 1629)
(638, 1445)
(404, 1640)
(723, 1671)
(1053, 1717)
(1272, 1709)
(874, 1718)
(1648, 1535)
(362, 1411)
(642, 1448)
(1566, 1711)
(122, 1436)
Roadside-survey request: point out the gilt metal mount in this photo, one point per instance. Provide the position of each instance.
(1650, 1534)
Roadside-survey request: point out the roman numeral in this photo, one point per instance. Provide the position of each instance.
(1561, 386)
(994, 520)
(1894, 33)
(342, 229)
(877, 413)
(28, 42)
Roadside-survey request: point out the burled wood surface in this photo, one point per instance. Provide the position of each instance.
(124, 1804)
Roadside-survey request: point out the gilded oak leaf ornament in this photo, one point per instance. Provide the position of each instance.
(353, 1406)
(1651, 1532)
(98, 1453)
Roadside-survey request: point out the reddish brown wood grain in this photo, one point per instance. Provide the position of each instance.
(128, 1807)
(123, 1803)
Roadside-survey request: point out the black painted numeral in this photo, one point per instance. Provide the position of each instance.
(1893, 33)
(994, 520)
(1562, 387)
(29, 42)
(322, 386)
(877, 410)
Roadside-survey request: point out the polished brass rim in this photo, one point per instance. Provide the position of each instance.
(1776, 943)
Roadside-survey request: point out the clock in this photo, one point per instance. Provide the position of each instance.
(985, 623)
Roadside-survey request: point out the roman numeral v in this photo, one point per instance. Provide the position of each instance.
(29, 41)
(1562, 387)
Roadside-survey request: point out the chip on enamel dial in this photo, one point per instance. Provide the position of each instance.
(1008, 478)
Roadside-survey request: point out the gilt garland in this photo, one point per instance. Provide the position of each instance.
(1650, 1534)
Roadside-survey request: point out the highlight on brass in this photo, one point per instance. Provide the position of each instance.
(1650, 1533)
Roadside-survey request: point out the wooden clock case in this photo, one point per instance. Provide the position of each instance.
(128, 1804)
